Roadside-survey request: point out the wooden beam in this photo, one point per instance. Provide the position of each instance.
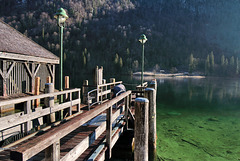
(29, 149)
(28, 69)
(50, 70)
(36, 70)
(12, 56)
(10, 69)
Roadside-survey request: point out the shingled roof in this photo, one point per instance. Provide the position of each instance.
(13, 42)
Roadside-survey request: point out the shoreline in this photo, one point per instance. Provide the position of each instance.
(161, 75)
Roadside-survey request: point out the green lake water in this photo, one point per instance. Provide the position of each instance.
(197, 119)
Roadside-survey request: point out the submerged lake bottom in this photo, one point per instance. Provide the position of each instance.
(198, 119)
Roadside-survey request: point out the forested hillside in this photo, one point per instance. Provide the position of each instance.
(183, 35)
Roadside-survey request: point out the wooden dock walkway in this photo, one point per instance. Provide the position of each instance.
(89, 132)
(78, 138)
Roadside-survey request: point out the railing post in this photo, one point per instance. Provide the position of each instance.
(27, 110)
(85, 91)
(104, 88)
(112, 80)
(49, 102)
(79, 103)
(70, 108)
(126, 111)
(109, 133)
(52, 153)
(141, 129)
(150, 94)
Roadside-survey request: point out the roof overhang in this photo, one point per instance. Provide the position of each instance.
(14, 56)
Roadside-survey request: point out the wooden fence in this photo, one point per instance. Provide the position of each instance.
(50, 141)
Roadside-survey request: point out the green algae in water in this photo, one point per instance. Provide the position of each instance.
(207, 123)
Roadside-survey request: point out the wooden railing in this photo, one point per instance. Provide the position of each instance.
(99, 94)
(24, 118)
(50, 140)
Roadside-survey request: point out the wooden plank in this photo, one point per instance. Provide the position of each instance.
(29, 149)
(12, 56)
(77, 150)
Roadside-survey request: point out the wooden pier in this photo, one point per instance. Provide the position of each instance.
(87, 132)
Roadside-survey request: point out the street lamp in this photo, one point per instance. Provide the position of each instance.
(61, 17)
(142, 40)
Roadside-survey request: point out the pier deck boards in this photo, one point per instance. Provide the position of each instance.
(93, 132)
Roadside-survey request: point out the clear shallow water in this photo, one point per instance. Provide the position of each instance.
(198, 119)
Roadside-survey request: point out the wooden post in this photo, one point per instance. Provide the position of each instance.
(36, 92)
(153, 84)
(4, 71)
(66, 82)
(150, 94)
(66, 86)
(126, 111)
(104, 89)
(27, 110)
(109, 133)
(49, 102)
(141, 129)
(85, 92)
(48, 79)
(52, 153)
(112, 80)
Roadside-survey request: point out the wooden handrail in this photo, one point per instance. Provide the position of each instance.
(29, 98)
(31, 148)
(108, 84)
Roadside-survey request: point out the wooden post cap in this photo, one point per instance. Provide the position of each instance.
(142, 100)
(149, 89)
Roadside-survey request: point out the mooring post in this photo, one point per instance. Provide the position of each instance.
(49, 102)
(153, 84)
(150, 94)
(36, 92)
(48, 80)
(141, 129)
(66, 85)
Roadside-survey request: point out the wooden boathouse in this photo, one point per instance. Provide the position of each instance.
(21, 61)
(91, 126)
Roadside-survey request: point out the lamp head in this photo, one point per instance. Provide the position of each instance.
(61, 16)
(143, 39)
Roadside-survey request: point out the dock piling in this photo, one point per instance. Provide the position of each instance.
(141, 129)
(150, 94)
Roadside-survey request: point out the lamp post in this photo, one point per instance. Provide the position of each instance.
(61, 17)
(142, 40)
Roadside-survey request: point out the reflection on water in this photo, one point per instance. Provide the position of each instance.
(199, 93)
